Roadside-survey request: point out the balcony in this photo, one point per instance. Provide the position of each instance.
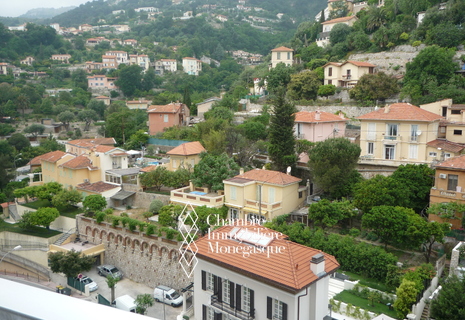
(197, 197)
(265, 207)
(346, 77)
(300, 136)
(392, 138)
(226, 308)
(449, 194)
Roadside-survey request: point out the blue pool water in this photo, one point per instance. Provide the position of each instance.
(198, 193)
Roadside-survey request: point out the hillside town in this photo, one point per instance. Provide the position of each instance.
(234, 161)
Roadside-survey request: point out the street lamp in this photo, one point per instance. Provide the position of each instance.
(15, 248)
(14, 163)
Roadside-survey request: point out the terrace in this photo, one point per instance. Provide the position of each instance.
(197, 197)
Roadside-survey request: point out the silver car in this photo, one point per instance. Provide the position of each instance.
(87, 281)
(108, 269)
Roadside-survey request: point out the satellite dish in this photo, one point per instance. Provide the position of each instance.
(288, 170)
(419, 133)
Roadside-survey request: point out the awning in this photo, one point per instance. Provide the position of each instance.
(121, 195)
(248, 209)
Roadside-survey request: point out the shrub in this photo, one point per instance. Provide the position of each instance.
(155, 206)
(108, 211)
(115, 222)
(132, 224)
(147, 214)
(416, 43)
(141, 226)
(100, 216)
(354, 232)
(125, 221)
(124, 214)
(150, 229)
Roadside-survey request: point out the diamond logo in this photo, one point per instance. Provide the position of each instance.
(188, 229)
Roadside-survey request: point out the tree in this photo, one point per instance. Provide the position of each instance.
(304, 86)
(373, 87)
(212, 170)
(71, 263)
(169, 215)
(428, 233)
(137, 140)
(88, 116)
(339, 33)
(432, 64)
(278, 77)
(43, 217)
(281, 134)
(388, 223)
(324, 214)
(326, 90)
(66, 117)
(155, 178)
(35, 129)
(6, 129)
(48, 190)
(339, 9)
(98, 106)
(124, 123)
(66, 197)
(450, 301)
(377, 17)
(129, 79)
(143, 301)
(111, 282)
(155, 206)
(19, 141)
(406, 296)
(205, 217)
(332, 164)
(94, 203)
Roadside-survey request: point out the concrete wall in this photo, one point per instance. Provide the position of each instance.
(63, 224)
(150, 260)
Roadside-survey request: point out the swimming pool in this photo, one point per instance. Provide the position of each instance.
(199, 193)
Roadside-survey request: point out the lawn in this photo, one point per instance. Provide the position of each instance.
(372, 283)
(347, 297)
(33, 231)
(67, 211)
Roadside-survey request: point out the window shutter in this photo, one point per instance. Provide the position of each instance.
(204, 280)
(238, 297)
(231, 294)
(218, 316)
(252, 304)
(284, 311)
(269, 308)
(215, 284)
(204, 312)
(219, 289)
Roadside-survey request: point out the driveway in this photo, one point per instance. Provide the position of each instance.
(133, 289)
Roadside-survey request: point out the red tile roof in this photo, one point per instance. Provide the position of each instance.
(453, 163)
(267, 176)
(88, 143)
(401, 111)
(148, 168)
(52, 156)
(287, 270)
(80, 162)
(169, 108)
(282, 49)
(307, 116)
(360, 63)
(187, 149)
(96, 186)
(339, 20)
(447, 145)
(103, 148)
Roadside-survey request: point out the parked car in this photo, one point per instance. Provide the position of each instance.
(108, 269)
(87, 281)
(167, 295)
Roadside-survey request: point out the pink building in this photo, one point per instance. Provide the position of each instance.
(318, 125)
(101, 82)
(161, 117)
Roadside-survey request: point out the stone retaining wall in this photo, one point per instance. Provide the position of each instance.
(144, 259)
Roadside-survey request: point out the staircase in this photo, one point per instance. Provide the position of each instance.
(64, 236)
(12, 210)
(425, 313)
(335, 286)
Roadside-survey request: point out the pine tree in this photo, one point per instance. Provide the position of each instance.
(282, 140)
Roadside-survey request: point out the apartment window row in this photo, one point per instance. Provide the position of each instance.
(275, 309)
(236, 296)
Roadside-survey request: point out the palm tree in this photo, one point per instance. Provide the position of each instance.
(22, 103)
(377, 17)
(111, 282)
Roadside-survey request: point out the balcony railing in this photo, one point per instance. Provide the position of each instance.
(264, 205)
(447, 194)
(300, 136)
(196, 198)
(387, 137)
(226, 308)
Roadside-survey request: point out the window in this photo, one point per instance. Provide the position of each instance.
(288, 56)
(371, 148)
(208, 281)
(226, 291)
(175, 163)
(413, 151)
(234, 214)
(330, 72)
(330, 81)
(371, 134)
(165, 118)
(301, 194)
(433, 154)
(455, 112)
(452, 182)
(233, 193)
(389, 151)
(457, 132)
(414, 132)
(442, 129)
(444, 111)
(271, 194)
(276, 309)
(246, 299)
(278, 55)
(391, 132)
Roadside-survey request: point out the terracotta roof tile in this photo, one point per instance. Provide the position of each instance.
(96, 186)
(80, 162)
(103, 148)
(187, 149)
(88, 143)
(268, 176)
(339, 20)
(169, 108)
(52, 156)
(453, 163)
(293, 260)
(360, 63)
(401, 111)
(148, 168)
(281, 49)
(307, 116)
(447, 145)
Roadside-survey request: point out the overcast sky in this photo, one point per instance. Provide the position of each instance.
(14, 8)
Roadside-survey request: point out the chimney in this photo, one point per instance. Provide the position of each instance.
(317, 265)
(387, 108)
(317, 114)
(241, 171)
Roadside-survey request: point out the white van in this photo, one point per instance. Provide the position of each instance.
(126, 303)
(167, 295)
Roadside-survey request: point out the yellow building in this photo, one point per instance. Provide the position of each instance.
(282, 55)
(262, 194)
(398, 134)
(187, 155)
(449, 186)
